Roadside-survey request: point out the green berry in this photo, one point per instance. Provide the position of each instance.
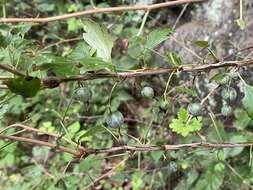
(83, 94)
(147, 92)
(115, 119)
(230, 94)
(226, 110)
(173, 166)
(195, 108)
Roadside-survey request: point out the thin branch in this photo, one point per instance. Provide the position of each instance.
(52, 82)
(40, 131)
(98, 10)
(12, 70)
(40, 143)
(125, 148)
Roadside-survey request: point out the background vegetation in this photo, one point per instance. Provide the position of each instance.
(143, 99)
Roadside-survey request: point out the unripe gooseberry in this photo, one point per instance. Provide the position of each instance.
(226, 110)
(173, 166)
(83, 94)
(195, 108)
(115, 119)
(147, 92)
(230, 94)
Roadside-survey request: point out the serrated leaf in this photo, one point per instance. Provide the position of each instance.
(179, 127)
(182, 115)
(59, 65)
(156, 37)
(99, 39)
(94, 63)
(24, 86)
(202, 44)
(204, 181)
(247, 100)
(182, 126)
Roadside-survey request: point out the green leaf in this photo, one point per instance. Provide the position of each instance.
(74, 128)
(242, 119)
(247, 100)
(232, 152)
(183, 125)
(59, 65)
(156, 37)
(137, 180)
(24, 86)
(74, 24)
(93, 64)
(173, 59)
(210, 179)
(202, 44)
(179, 127)
(80, 52)
(91, 131)
(3, 110)
(99, 39)
(183, 115)
(61, 184)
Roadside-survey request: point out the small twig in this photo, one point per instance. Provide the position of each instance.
(180, 16)
(40, 143)
(12, 70)
(60, 42)
(98, 10)
(28, 128)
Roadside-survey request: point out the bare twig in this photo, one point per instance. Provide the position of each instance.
(40, 143)
(98, 10)
(28, 128)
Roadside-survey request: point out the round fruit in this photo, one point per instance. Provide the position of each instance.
(147, 92)
(195, 108)
(83, 94)
(226, 110)
(230, 94)
(225, 93)
(115, 119)
(173, 167)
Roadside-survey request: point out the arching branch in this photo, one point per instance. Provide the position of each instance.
(98, 10)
